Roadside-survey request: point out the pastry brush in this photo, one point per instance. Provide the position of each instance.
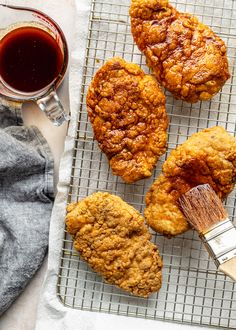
(205, 212)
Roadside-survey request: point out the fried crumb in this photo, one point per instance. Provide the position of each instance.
(186, 56)
(128, 115)
(206, 157)
(112, 237)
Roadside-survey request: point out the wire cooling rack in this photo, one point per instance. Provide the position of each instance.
(189, 293)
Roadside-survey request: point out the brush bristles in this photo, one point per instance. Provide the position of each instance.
(202, 208)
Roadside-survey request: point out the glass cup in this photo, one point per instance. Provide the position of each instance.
(12, 17)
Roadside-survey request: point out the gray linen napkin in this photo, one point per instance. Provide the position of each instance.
(26, 199)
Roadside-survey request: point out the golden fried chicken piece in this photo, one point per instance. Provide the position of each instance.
(186, 56)
(127, 112)
(112, 237)
(206, 157)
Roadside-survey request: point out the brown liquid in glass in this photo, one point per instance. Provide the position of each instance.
(30, 59)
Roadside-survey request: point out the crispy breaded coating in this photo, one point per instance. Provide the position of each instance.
(186, 56)
(112, 237)
(127, 112)
(206, 157)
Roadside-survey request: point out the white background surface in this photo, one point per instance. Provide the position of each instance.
(22, 314)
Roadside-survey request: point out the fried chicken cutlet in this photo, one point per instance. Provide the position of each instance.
(186, 56)
(206, 157)
(112, 237)
(127, 110)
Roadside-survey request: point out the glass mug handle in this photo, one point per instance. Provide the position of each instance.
(52, 107)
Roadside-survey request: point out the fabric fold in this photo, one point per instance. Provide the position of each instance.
(26, 195)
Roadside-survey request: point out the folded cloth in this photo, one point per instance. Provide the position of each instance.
(26, 199)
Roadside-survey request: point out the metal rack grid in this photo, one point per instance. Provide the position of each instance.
(192, 291)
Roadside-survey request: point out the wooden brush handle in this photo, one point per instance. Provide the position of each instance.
(229, 268)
